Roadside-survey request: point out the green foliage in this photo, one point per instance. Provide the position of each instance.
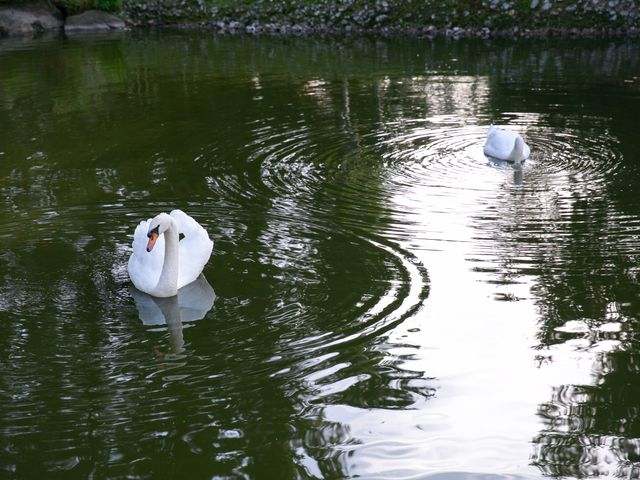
(108, 5)
(71, 7)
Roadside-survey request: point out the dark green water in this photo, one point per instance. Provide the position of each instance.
(388, 302)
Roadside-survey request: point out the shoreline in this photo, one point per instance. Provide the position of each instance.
(343, 17)
(421, 18)
(234, 28)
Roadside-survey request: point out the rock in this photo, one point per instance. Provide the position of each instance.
(27, 20)
(93, 21)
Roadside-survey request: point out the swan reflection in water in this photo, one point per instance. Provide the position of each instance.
(192, 303)
(518, 170)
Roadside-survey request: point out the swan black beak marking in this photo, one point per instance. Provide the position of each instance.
(153, 236)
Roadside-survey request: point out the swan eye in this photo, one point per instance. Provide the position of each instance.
(154, 230)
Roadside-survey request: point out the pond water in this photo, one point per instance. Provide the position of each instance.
(383, 300)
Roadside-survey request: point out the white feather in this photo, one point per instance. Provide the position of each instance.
(501, 144)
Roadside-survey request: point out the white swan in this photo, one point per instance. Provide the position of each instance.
(161, 263)
(506, 145)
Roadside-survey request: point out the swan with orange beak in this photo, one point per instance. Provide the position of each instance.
(161, 262)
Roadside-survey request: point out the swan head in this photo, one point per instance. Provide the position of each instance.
(158, 225)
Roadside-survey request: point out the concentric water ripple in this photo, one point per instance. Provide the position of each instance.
(444, 151)
(389, 302)
(305, 182)
(447, 162)
(450, 150)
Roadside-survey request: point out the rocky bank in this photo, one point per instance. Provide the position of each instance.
(421, 17)
(41, 17)
(456, 18)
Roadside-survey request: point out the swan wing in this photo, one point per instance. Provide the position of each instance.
(500, 143)
(145, 267)
(194, 249)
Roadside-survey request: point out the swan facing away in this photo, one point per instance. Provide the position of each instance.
(161, 262)
(506, 145)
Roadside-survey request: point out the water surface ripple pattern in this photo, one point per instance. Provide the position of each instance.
(388, 301)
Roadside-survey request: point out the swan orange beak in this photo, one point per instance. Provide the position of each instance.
(153, 236)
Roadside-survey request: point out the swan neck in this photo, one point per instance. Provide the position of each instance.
(168, 281)
(517, 154)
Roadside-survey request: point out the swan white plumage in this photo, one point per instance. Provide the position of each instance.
(161, 263)
(506, 145)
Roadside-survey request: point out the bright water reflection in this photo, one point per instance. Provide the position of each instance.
(192, 303)
(388, 302)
